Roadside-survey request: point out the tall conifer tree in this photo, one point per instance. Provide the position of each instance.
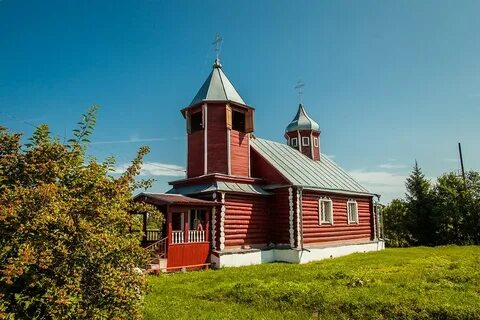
(420, 204)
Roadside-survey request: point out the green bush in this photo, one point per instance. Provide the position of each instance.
(66, 251)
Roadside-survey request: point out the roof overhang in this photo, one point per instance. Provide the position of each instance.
(233, 103)
(160, 199)
(213, 177)
(338, 191)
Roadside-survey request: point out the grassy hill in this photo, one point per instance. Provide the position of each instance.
(414, 283)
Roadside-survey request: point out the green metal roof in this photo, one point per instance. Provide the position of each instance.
(302, 121)
(219, 186)
(217, 87)
(300, 170)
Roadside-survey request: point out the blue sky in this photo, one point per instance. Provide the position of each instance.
(388, 81)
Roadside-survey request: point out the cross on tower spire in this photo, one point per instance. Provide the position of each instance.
(218, 45)
(299, 88)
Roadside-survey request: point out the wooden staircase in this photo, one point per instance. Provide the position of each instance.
(158, 256)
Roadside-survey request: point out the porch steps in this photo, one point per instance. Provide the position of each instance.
(157, 265)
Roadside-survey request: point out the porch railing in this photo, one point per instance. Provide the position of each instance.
(158, 248)
(178, 237)
(196, 236)
(153, 235)
(193, 236)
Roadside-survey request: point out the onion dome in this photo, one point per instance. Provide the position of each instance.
(302, 121)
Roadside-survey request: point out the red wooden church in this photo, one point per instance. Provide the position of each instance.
(247, 200)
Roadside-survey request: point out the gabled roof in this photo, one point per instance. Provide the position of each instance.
(300, 170)
(217, 87)
(302, 121)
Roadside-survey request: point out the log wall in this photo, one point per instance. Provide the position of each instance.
(314, 233)
(280, 213)
(246, 220)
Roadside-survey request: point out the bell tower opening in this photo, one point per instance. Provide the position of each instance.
(238, 121)
(196, 121)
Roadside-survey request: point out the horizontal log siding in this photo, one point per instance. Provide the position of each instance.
(246, 220)
(314, 233)
(279, 217)
(239, 145)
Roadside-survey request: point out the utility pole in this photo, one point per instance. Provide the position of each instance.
(461, 161)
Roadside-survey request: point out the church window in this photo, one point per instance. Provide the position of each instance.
(294, 142)
(315, 142)
(305, 141)
(352, 211)
(325, 211)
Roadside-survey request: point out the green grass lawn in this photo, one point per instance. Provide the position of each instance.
(414, 283)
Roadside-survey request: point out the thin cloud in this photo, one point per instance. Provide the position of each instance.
(330, 156)
(155, 169)
(135, 140)
(392, 166)
(388, 185)
(450, 160)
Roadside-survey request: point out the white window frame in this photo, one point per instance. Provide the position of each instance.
(328, 218)
(315, 142)
(305, 141)
(294, 142)
(355, 214)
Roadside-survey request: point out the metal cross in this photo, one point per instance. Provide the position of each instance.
(299, 88)
(218, 44)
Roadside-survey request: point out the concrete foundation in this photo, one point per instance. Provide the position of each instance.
(245, 257)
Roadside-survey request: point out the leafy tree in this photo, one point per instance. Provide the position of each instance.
(419, 199)
(395, 217)
(457, 209)
(66, 249)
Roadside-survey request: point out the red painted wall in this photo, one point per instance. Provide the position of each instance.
(307, 150)
(313, 233)
(316, 150)
(279, 217)
(195, 154)
(216, 139)
(260, 168)
(246, 220)
(217, 157)
(187, 254)
(239, 145)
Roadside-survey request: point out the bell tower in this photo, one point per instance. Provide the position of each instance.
(303, 134)
(218, 124)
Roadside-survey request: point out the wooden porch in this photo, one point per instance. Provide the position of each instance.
(184, 240)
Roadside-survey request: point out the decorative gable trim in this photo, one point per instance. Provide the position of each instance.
(222, 222)
(290, 217)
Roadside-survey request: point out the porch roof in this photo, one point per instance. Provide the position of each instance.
(221, 186)
(172, 199)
